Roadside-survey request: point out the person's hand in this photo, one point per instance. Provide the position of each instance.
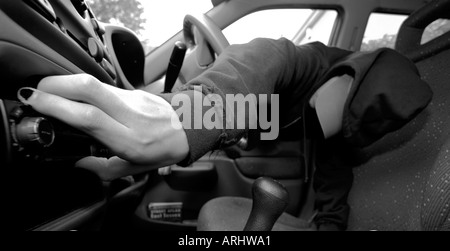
(111, 169)
(137, 126)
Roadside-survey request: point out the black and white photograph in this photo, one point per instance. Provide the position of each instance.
(225, 121)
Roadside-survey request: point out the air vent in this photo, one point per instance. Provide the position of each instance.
(80, 6)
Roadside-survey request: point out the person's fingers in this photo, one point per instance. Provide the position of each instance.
(113, 168)
(87, 89)
(84, 117)
(98, 166)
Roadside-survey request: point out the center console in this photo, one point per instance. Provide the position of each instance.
(37, 156)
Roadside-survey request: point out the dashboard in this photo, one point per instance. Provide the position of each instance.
(55, 37)
(40, 38)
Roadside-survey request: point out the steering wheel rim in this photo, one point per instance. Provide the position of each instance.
(201, 32)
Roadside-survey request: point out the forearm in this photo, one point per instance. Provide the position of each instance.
(261, 67)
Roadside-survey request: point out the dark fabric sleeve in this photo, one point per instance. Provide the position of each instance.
(333, 180)
(262, 66)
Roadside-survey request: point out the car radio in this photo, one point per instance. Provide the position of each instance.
(27, 136)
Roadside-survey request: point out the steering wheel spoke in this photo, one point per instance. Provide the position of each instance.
(205, 41)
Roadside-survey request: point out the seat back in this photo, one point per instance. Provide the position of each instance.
(404, 183)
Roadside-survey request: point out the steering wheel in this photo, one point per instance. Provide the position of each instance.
(205, 40)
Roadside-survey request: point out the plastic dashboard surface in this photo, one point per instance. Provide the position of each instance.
(40, 38)
(35, 43)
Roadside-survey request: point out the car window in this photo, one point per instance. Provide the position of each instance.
(298, 25)
(154, 21)
(435, 30)
(382, 30)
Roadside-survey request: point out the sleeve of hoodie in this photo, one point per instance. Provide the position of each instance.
(262, 66)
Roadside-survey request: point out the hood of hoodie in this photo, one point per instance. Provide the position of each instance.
(386, 94)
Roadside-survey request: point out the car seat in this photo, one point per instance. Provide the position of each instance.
(403, 181)
(406, 183)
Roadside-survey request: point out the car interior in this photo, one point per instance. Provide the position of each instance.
(402, 182)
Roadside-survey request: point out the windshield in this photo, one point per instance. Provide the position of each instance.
(154, 21)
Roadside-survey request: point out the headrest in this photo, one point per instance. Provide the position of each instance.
(410, 35)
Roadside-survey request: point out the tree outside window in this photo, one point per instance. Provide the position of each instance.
(127, 13)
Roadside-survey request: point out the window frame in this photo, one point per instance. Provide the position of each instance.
(383, 12)
(337, 26)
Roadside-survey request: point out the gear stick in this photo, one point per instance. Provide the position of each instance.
(270, 199)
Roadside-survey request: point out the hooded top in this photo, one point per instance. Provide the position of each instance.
(387, 92)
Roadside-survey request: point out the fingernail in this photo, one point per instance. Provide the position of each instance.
(25, 93)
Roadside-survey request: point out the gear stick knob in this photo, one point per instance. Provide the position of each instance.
(270, 199)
